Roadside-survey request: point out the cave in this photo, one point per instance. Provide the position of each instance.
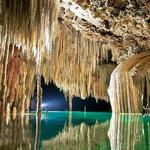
(53, 99)
(78, 67)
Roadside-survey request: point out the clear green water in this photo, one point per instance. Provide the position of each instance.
(75, 131)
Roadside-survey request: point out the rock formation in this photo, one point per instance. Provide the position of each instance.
(130, 84)
(76, 44)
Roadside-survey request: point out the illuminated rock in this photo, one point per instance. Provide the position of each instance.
(129, 88)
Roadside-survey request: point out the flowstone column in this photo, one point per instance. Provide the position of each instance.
(129, 90)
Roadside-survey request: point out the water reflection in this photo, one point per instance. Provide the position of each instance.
(129, 132)
(90, 132)
(75, 131)
(15, 134)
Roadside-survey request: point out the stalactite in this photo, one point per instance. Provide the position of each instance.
(29, 25)
(39, 94)
(75, 65)
(4, 76)
(30, 82)
(20, 80)
(16, 76)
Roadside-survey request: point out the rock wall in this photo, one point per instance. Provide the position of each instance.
(20, 81)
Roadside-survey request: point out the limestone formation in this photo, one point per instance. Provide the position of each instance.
(130, 85)
(76, 44)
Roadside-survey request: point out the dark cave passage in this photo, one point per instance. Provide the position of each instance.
(54, 100)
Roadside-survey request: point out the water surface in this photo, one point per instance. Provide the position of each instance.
(75, 131)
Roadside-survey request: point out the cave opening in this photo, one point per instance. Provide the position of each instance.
(53, 99)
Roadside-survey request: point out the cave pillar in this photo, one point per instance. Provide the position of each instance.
(128, 84)
(70, 103)
(39, 95)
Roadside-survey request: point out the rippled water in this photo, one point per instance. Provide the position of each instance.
(75, 131)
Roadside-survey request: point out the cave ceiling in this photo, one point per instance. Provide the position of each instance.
(122, 23)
